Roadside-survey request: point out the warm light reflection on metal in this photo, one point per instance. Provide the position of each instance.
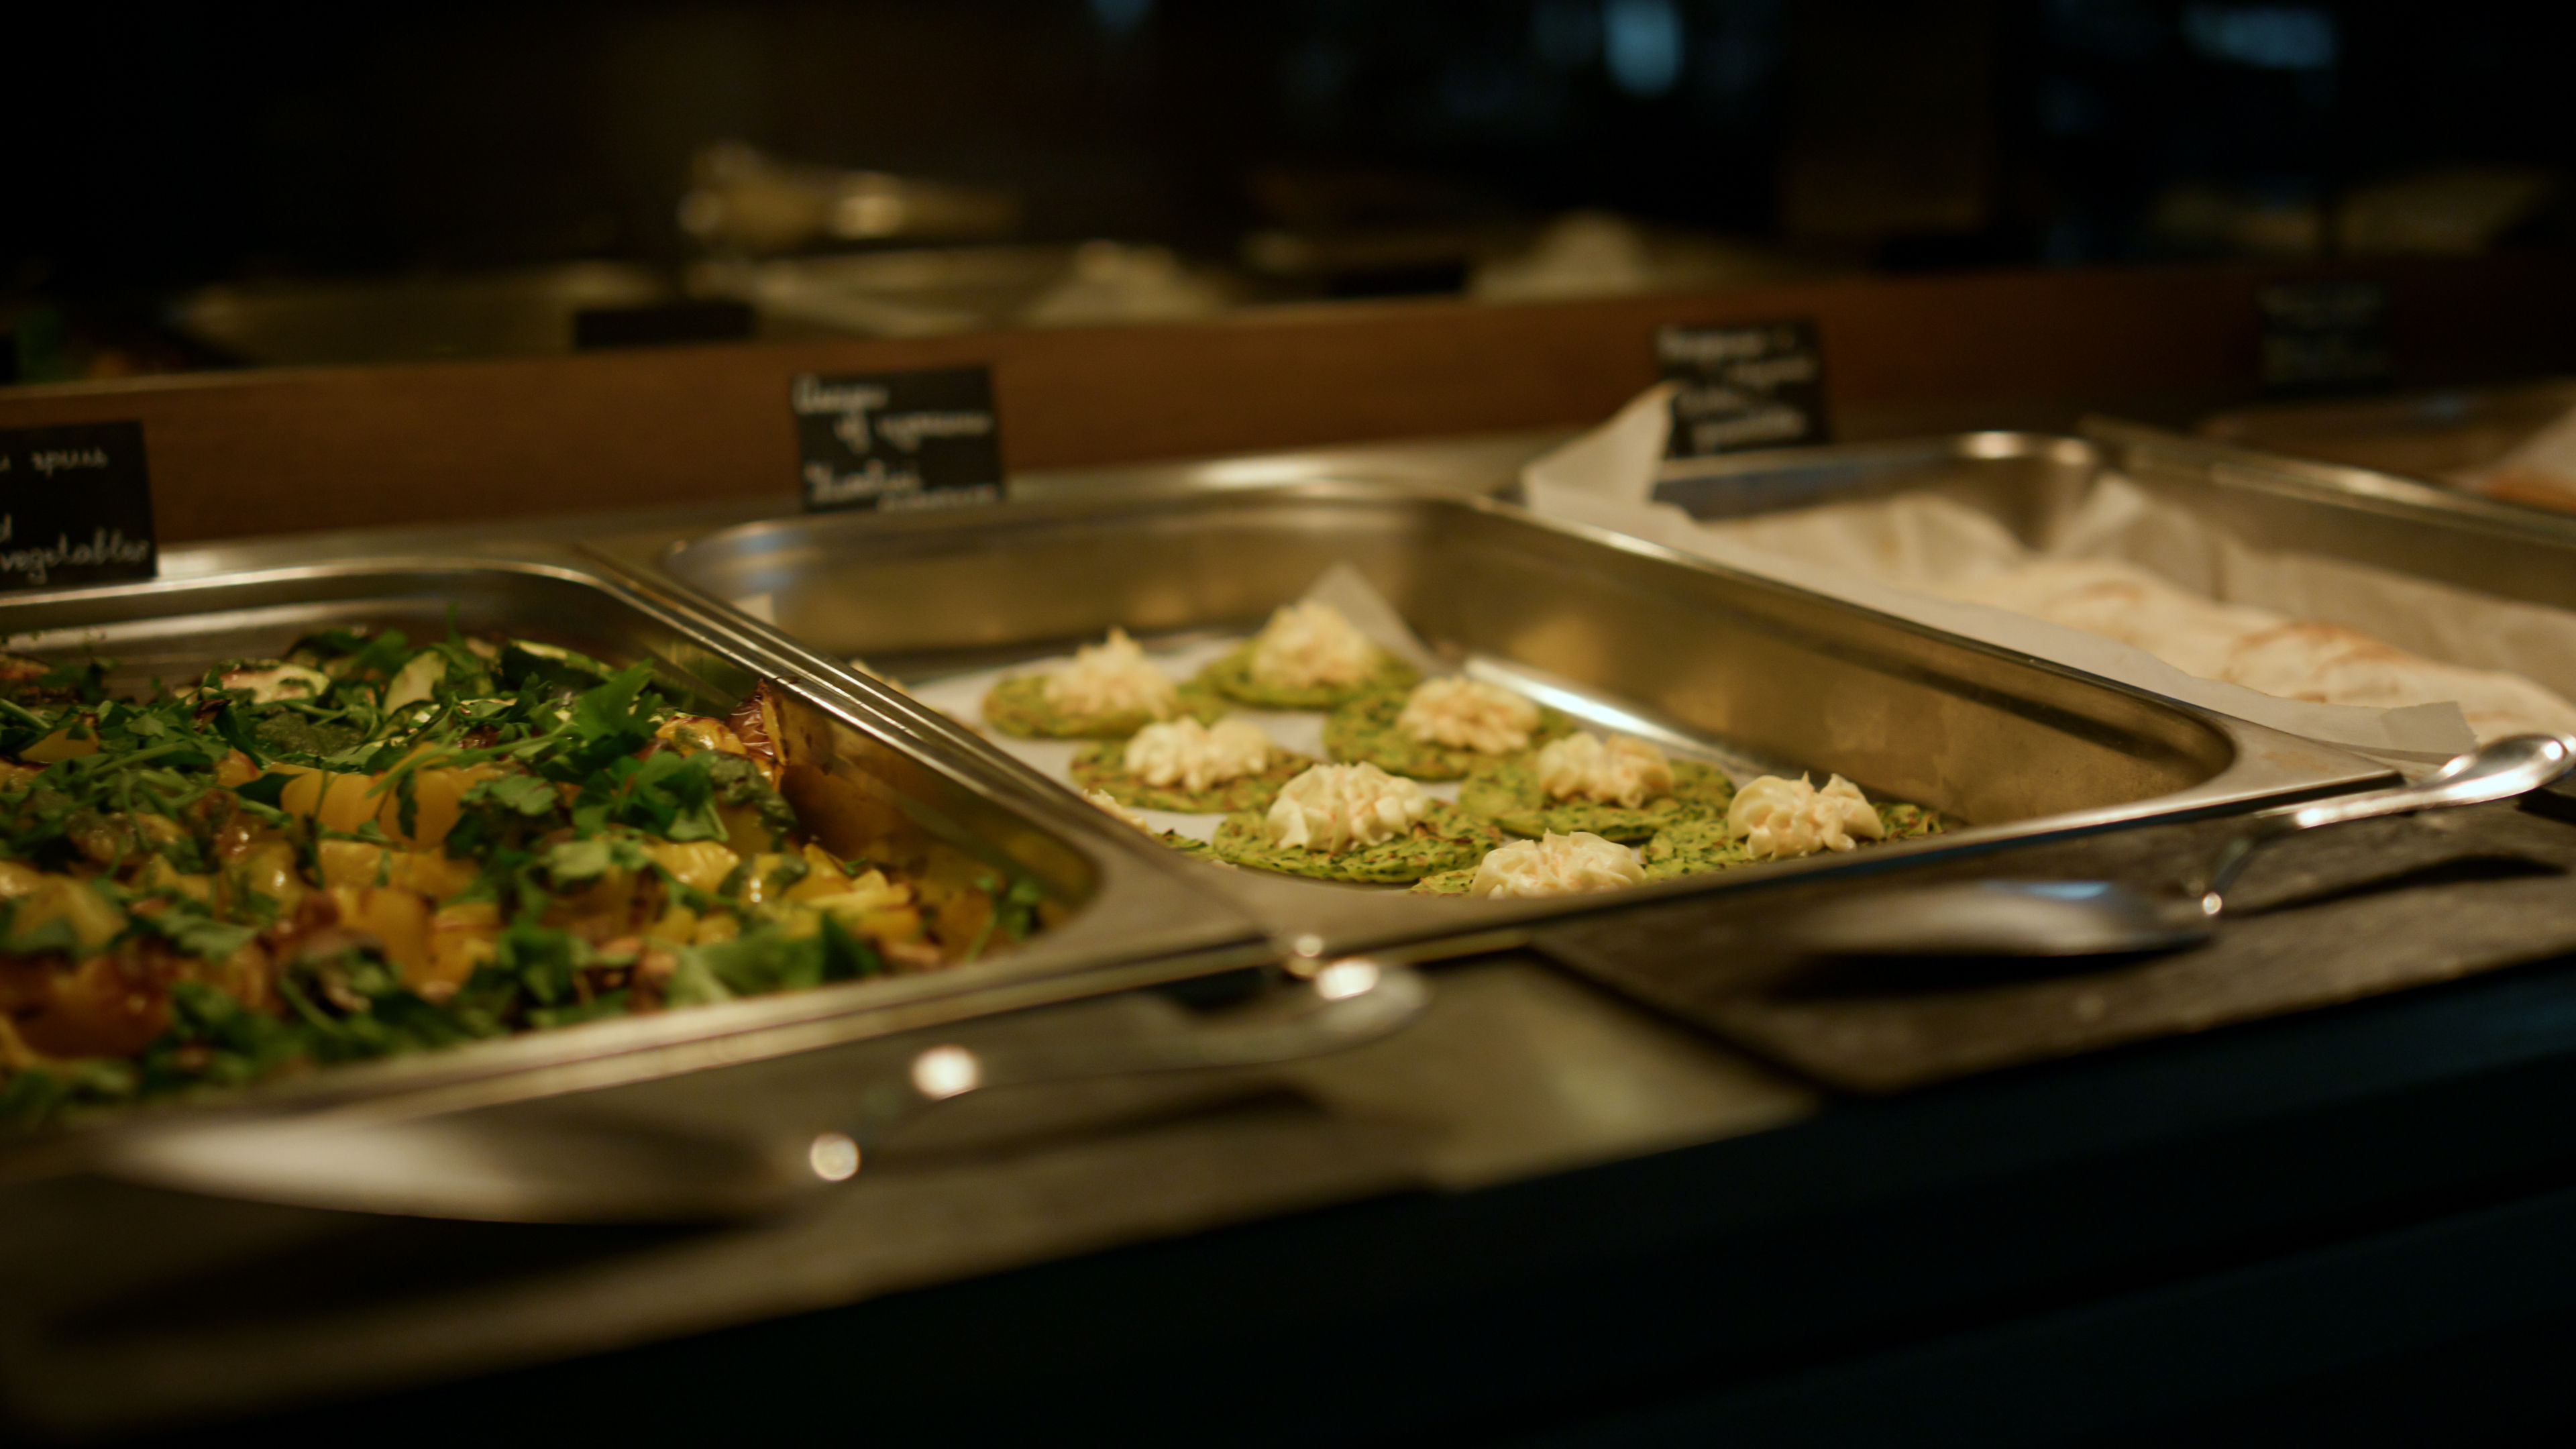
(1346, 978)
(833, 1157)
(946, 1071)
(1309, 945)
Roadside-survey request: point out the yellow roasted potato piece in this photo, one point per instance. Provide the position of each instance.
(424, 872)
(756, 887)
(329, 798)
(699, 864)
(678, 925)
(17, 878)
(266, 868)
(94, 919)
(823, 876)
(353, 863)
(235, 770)
(460, 939)
(438, 797)
(399, 920)
(745, 831)
(875, 907)
(160, 876)
(62, 745)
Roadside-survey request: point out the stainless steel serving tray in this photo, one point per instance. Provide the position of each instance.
(2029, 482)
(1629, 633)
(2424, 436)
(1131, 920)
(2356, 514)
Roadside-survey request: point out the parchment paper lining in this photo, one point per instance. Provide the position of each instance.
(1880, 554)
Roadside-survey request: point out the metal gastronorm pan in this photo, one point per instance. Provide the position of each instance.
(2029, 482)
(2015, 747)
(1131, 919)
(2357, 514)
(2425, 436)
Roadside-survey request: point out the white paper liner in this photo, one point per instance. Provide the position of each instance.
(2547, 456)
(1881, 554)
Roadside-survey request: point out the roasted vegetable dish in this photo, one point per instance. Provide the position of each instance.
(371, 846)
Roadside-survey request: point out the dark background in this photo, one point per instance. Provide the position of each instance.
(163, 147)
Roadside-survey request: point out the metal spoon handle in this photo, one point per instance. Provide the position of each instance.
(1347, 1003)
(2502, 770)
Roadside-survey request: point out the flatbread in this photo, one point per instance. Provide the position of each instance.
(1508, 793)
(1018, 706)
(1103, 766)
(1447, 839)
(1365, 730)
(1697, 847)
(1230, 675)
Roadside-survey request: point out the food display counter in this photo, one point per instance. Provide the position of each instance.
(1749, 1196)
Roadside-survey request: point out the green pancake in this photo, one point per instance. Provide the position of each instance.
(1365, 729)
(1695, 847)
(1508, 793)
(1446, 883)
(1230, 674)
(1018, 706)
(1447, 839)
(1102, 766)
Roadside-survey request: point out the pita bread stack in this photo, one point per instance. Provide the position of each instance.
(2261, 650)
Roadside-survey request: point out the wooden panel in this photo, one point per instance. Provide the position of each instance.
(280, 451)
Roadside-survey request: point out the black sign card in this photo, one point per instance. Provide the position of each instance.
(895, 440)
(75, 506)
(2324, 337)
(1743, 385)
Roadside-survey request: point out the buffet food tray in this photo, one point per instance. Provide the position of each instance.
(2359, 515)
(1625, 634)
(1126, 919)
(2431, 437)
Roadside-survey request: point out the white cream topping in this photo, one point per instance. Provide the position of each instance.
(1623, 770)
(1787, 818)
(1307, 644)
(1105, 801)
(1112, 677)
(1556, 865)
(1467, 714)
(1186, 753)
(1333, 808)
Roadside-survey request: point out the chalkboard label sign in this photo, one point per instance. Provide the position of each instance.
(2324, 337)
(899, 440)
(1743, 385)
(75, 506)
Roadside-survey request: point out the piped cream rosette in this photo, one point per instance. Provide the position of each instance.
(1108, 690)
(1442, 730)
(1355, 823)
(1622, 788)
(1183, 765)
(1781, 819)
(1307, 657)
